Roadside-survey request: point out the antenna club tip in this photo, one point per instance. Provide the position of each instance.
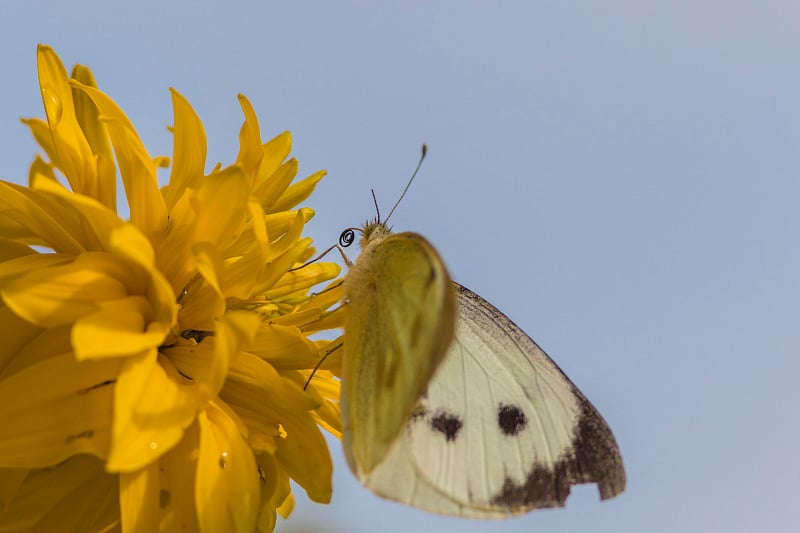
(424, 149)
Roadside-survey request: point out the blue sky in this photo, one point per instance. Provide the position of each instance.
(620, 178)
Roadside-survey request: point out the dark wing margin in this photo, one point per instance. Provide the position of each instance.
(593, 456)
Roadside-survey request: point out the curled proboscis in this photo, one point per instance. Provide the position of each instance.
(347, 237)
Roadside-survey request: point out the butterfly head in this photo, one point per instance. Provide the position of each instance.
(371, 230)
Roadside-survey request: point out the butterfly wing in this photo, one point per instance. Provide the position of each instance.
(501, 429)
(400, 322)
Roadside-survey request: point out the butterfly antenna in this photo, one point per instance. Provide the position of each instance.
(414, 175)
(377, 209)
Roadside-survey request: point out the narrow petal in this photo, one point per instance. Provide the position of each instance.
(104, 190)
(54, 409)
(276, 150)
(302, 452)
(284, 347)
(178, 477)
(117, 330)
(87, 217)
(74, 153)
(222, 199)
(16, 334)
(250, 149)
(227, 491)
(75, 496)
(43, 137)
(279, 224)
(156, 498)
(303, 279)
(151, 411)
(147, 208)
(40, 347)
(24, 217)
(274, 490)
(298, 192)
(60, 295)
(277, 184)
(139, 498)
(189, 149)
(234, 330)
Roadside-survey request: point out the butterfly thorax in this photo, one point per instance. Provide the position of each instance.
(373, 231)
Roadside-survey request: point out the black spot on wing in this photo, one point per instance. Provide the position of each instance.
(447, 424)
(511, 419)
(593, 457)
(419, 413)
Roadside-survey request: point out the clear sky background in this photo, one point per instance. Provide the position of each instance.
(621, 178)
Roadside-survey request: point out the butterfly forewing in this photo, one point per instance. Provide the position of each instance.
(400, 321)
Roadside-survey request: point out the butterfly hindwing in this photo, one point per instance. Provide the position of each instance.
(501, 429)
(400, 321)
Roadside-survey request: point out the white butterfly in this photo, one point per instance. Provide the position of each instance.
(501, 429)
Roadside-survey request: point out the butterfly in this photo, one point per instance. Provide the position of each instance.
(500, 430)
(446, 404)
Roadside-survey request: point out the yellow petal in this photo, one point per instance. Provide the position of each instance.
(41, 134)
(250, 149)
(233, 330)
(188, 152)
(304, 455)
(75, 155)
(177, 494)
(274, 490)
(24, 215)
(151, 410)
(227, 490)
(275, 185)
(105, 187)
(160, 496)
(147, 208)
(59, 295)
(286, 508)
(276, 150)
(222, 203)
(325, 390)
(75, 496)
(281, 264)
(38, 346)
(11, 480)
(298, 192)
(87, 218)
(284, 347)
(139, 498)
(255, 385)
(41, 170)
(54, 409)
(302, 279)
(278, 224)
(209, 265)
(118, 329)
(16, 334)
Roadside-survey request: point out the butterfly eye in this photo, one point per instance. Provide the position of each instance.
(347, 237)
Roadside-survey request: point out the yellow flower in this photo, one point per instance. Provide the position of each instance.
(152, 371)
